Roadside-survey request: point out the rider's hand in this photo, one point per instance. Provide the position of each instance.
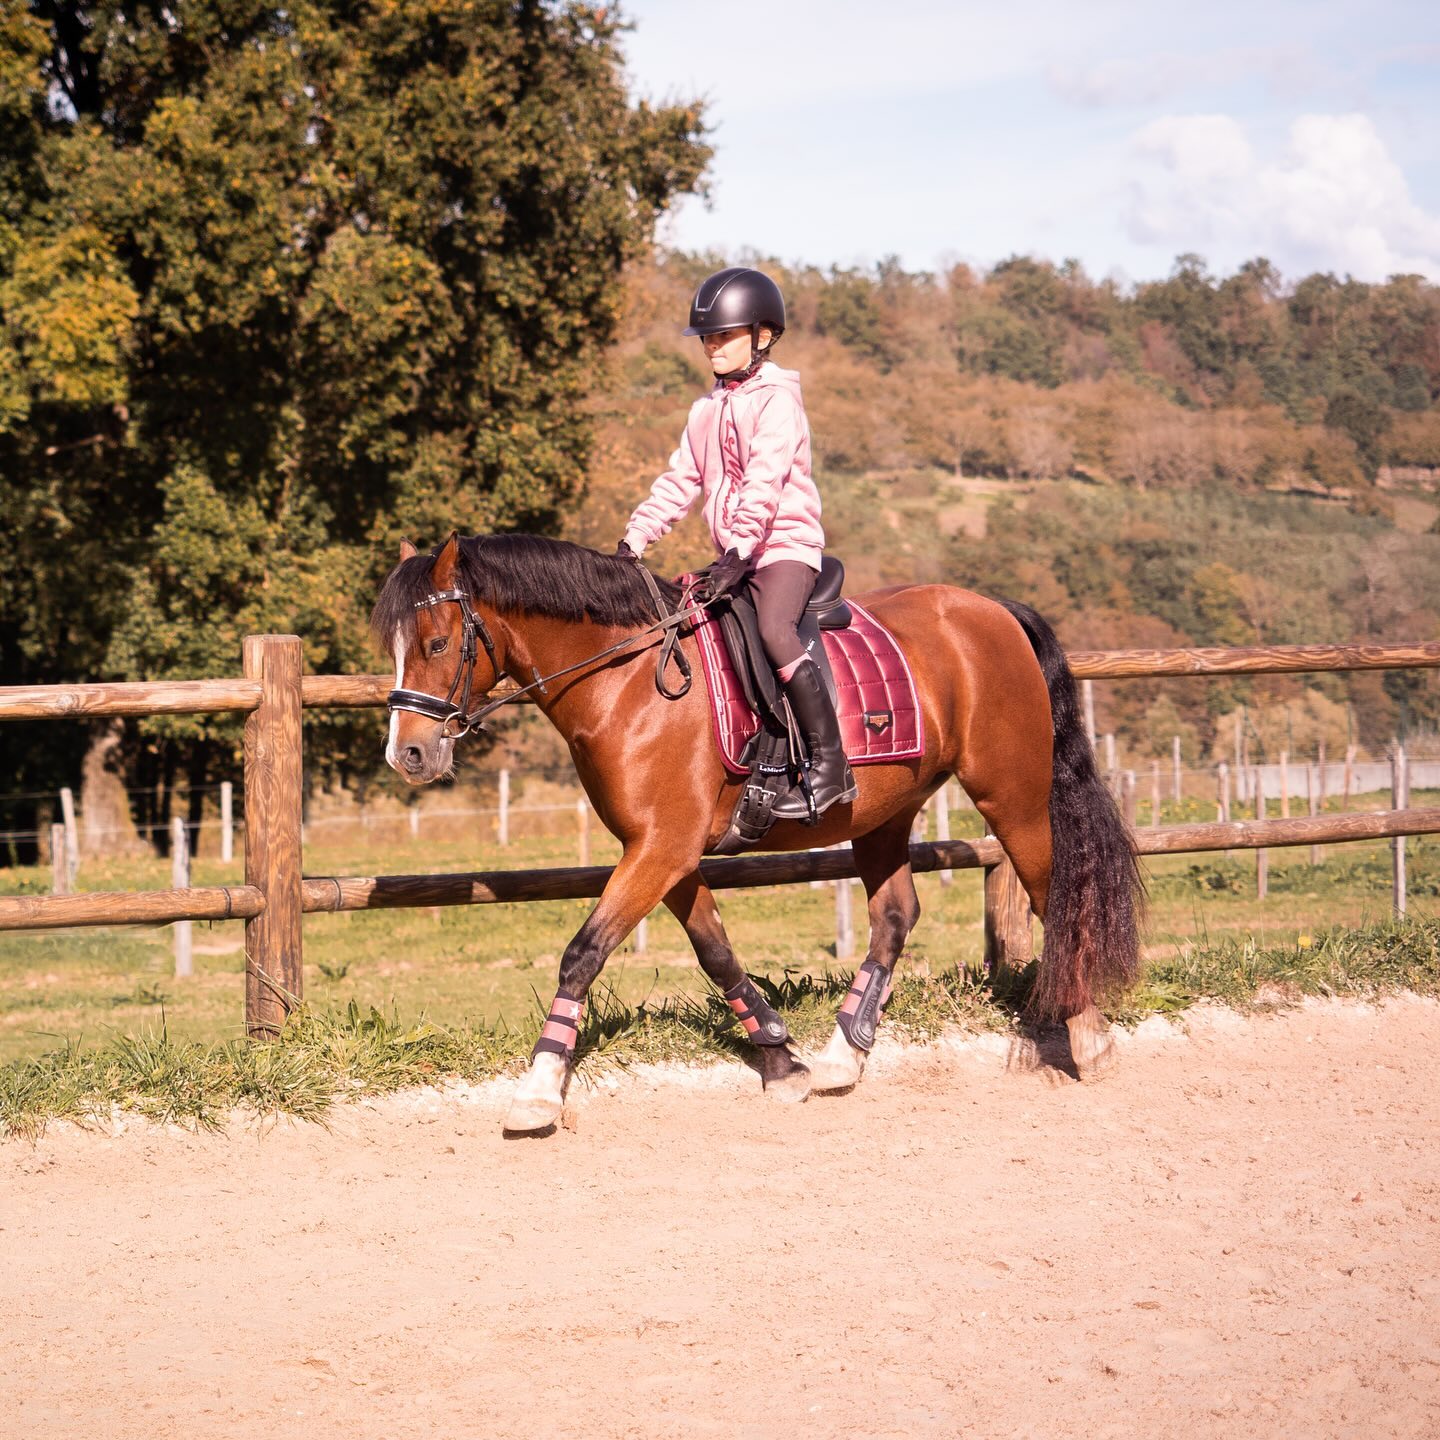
(624, 552)
(726, 573)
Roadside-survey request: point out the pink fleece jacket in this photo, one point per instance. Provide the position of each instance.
(746, 448)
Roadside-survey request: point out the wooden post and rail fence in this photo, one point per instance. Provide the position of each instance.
(273, 693)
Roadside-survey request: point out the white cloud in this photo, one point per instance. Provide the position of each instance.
(1333, 199)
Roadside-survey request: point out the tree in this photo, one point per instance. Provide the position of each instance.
(279, 282)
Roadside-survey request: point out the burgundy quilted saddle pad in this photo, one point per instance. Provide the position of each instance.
(875, 694)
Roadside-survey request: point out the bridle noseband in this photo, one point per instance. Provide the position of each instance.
(419, 702)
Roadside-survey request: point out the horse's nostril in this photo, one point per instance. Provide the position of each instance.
(411, 758)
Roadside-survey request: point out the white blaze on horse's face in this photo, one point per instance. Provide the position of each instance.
(417, 750)
(398, 648)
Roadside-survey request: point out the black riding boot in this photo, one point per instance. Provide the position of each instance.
(829, 772)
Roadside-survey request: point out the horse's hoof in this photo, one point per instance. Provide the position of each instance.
(789, 1089)
(1092, 1046)
(829, 1075)
(1098, 1062)
(527, 1116)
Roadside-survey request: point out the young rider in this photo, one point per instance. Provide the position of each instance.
(746, 449)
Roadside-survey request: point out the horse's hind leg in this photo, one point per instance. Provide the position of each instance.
(883, 859)
(782, 1075)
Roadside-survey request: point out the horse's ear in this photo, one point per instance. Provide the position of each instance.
(443, 574)
(407, 551)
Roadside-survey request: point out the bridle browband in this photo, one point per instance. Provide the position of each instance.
(473, 629)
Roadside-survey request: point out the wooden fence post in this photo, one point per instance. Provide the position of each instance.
(641, 941)
(1284, 784)
(274, 975)
(72, 837)
(844, 922)
(1314, 784)
(1262, 857)
(1399, 799)
(227, 821)
(414, 811)
(180, 880)
(1175, 766)
(1155, 792)
(942, 823)
(1087, 702)
(1127, 796)
(59, 862)
(1008, 939)
(582, 826)
(502, 823)
(1350, 751)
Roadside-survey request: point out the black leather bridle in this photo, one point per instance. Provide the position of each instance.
(420, 702)
(474, 633)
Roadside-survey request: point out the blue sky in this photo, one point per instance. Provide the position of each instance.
(1120, 133)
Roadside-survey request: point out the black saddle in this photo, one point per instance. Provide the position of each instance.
(770, 753)
(739, 624)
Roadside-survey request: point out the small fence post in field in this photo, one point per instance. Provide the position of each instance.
(1154, 792)
(844, 921)
(414, 811)
(1284, 784)
(502, 821)
(274, 975)
(72, 836)
(1313, 783)
(1349, 776)
(59, 862)
(1399, 799)
(1127, 792)
(180, 880)
(1262, 857)
(1087, 701)
(227, 821)
(1175, 766)
(1222, 803)
(582, 826)
(942, 823)
(1110, 755)
(641, 940)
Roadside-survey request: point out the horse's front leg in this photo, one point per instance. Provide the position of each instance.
(783, 1076)
(637, 885)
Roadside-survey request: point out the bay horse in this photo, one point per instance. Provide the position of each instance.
(1000, 715)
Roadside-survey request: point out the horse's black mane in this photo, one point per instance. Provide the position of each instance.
(525, 574)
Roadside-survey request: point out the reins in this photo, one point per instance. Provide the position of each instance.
(473, 627)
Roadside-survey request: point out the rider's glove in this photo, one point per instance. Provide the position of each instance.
(624, 552)
(726, 573)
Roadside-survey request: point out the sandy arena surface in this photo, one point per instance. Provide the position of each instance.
(1238, 1234)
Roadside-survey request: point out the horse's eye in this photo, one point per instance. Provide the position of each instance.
(439, 645)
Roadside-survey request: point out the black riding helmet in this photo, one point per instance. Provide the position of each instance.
(734, 298)
(731, 298)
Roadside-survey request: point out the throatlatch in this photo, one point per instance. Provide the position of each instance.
(762, 1024)
(560, 1030)
(860, 1013)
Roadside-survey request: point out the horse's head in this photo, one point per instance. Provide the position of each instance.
(436, 639)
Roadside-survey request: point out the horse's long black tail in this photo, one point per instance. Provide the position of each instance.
(1092, 919)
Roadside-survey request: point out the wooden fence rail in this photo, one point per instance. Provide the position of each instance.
(273, 694)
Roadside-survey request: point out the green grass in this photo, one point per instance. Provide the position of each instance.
(323, 1055)
(91, 1019)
